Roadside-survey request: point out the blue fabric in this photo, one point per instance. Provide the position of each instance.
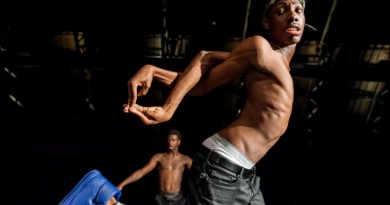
(92, 189)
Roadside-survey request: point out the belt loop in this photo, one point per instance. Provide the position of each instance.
(209, 152)
(242, 172)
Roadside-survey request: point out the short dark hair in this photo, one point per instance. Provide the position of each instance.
(175, 132)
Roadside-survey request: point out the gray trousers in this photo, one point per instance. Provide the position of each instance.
(170, 199)
(212, 182)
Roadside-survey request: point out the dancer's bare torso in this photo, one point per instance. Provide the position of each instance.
(267, 109)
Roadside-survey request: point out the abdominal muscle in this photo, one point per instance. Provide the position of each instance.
(170, 180)
(264, 117)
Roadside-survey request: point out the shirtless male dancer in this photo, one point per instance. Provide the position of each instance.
(223, 170)
(171, 165)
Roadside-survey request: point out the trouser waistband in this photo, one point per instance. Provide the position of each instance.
(223, 162)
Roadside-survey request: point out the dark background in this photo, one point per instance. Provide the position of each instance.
(61, 109)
